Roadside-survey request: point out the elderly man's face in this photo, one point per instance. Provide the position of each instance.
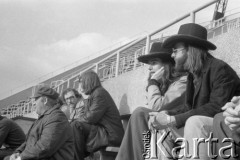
(40, 105)
(180, 56)
(70, 98)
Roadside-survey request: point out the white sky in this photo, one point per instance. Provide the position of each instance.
(40, 36)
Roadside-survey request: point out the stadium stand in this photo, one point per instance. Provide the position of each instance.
(121, 73)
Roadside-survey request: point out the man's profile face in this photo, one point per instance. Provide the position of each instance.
(180, 56)
(40, 106)
(70, 98)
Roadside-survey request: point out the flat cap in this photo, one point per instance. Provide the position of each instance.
(46, 91)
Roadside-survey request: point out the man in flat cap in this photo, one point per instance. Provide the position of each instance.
(211, 83)
(50, 137)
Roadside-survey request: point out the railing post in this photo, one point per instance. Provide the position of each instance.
(68, 83)
(22, 110)
(192, 15)
(147, 44)
(117, 63)
(135, 59)
(96, 68)
(238, 23)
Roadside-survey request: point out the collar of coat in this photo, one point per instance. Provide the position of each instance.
(49, 111)
(207, 63)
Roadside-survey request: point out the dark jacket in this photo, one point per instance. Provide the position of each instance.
(216, 86)
(102, 111)
(50, 137)
(11, 135)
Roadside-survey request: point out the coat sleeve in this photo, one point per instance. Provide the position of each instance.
(97, 109)
(175, 90)
(223, 88)
(53, 136)
(154, 98)
(20, 148)
(4, 130)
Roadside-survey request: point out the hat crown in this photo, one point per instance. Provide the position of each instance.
(192, 34)
(194, 30)
(157, 48)
(157, 52)
(47, 91)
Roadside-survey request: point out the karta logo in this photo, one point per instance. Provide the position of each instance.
(164, 148)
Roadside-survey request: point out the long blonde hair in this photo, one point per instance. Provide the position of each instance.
(195, 60)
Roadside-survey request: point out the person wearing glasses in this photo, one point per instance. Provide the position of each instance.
(73, 104)
(165, 90)
(211, 83)
(100, 124)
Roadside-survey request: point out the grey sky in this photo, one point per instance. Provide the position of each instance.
(40, 36)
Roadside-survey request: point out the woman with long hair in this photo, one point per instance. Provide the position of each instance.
(165, 90)
(100, 123)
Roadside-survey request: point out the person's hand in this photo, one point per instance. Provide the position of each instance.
(234, 102)
(149, 76)
(158, 120)
(232, 117)
(158, 74)
(232, 113)
(150, 121)
(14, 156)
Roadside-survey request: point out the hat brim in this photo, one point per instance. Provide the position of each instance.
(35, 96)
(171, 41)
(165, 57)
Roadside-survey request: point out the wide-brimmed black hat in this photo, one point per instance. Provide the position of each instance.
(192, 34)
(157, 51)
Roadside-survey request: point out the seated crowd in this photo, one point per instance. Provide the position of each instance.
(191, 95)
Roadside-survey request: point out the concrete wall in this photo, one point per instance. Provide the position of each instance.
(128, 90)
(228, 48)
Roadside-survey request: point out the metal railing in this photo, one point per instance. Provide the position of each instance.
(112, 66)
(67, 67)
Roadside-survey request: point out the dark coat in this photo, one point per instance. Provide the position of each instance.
(102, 111)
(11, 134)
(50, 137)
(216, 86)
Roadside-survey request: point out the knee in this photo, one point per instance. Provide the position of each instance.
(194, 122)
(138, 112)
(218, 118)
(201, 125)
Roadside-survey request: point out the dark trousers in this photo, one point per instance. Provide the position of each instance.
(132, 146)
(221, 131)
(80, 132)
(5, 152)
